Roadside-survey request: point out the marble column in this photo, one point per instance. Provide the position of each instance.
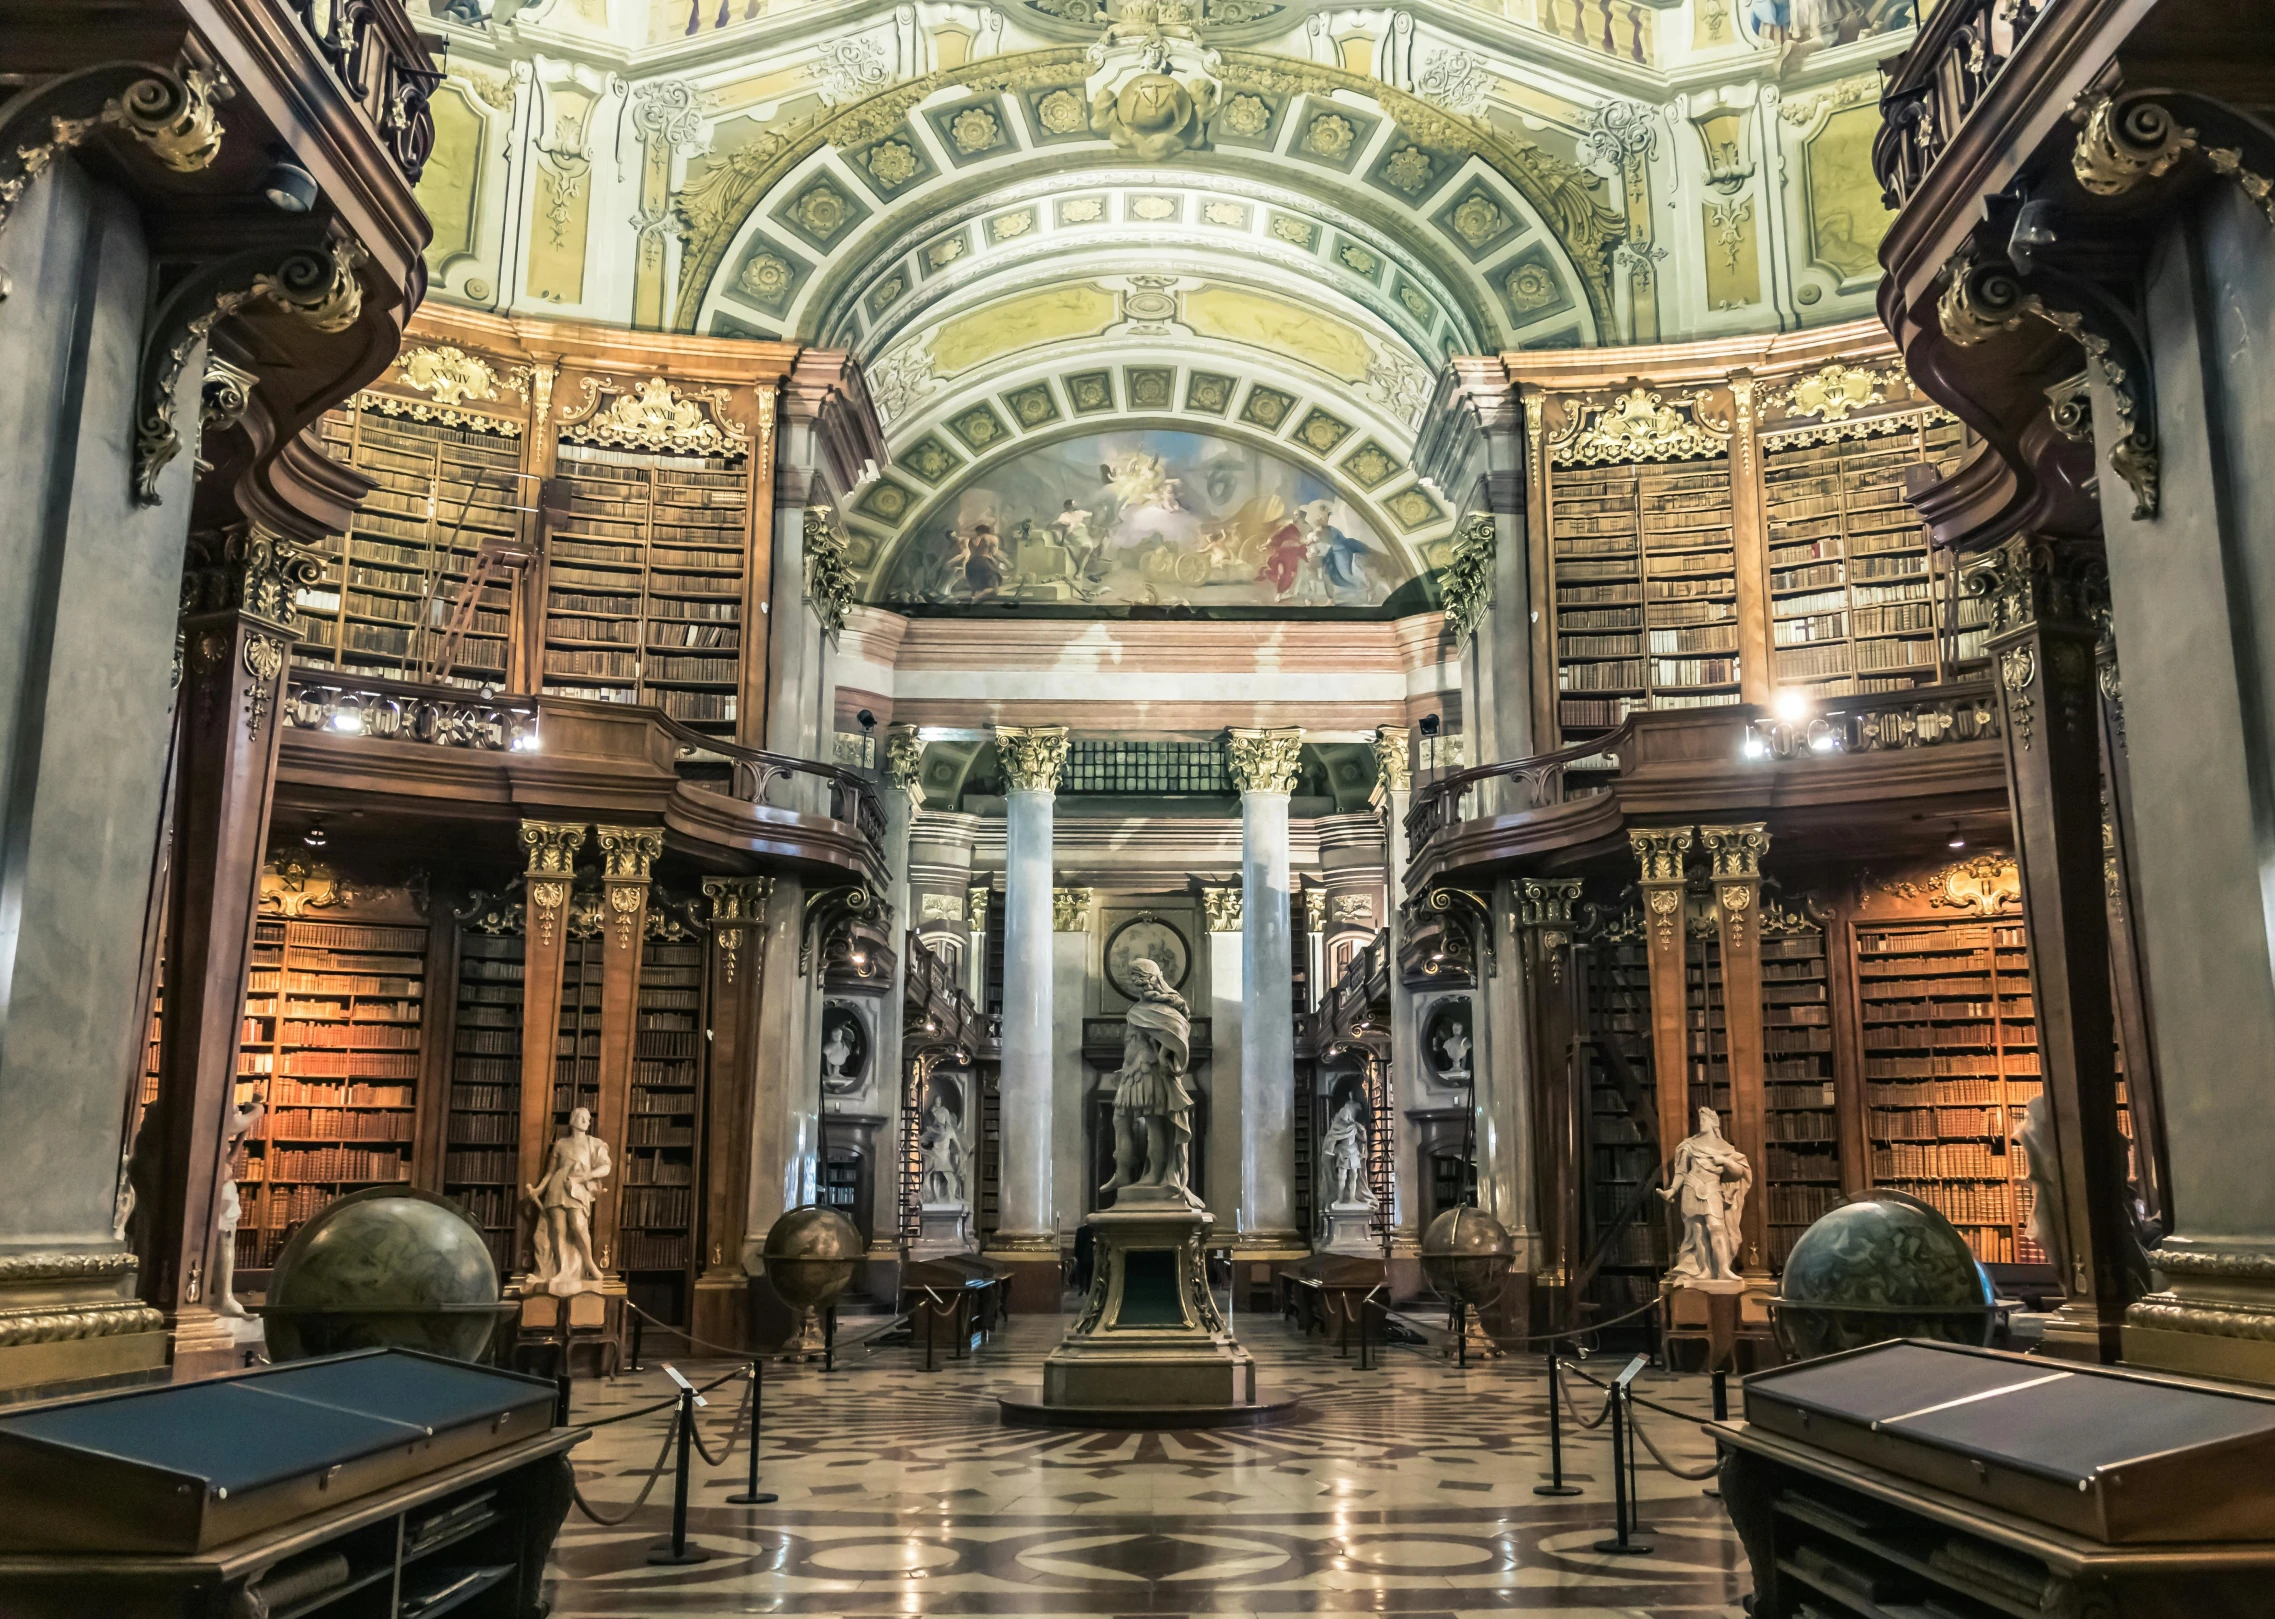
(1503, 1086)
(1559, 1137)
(737, 966)
(1263, 765)
(1220, 911)
(1394, 781)
(1071, 912)
(1736, 853)
(1027, 1209)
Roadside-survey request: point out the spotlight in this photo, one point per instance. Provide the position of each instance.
(290, 188)
(1756, 748)
(1430, 725)
(1956, 843)
(1823, 742)
(1791, 706)
(866, 720)
(315, 837)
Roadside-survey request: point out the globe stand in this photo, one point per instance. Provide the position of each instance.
(750, 1495)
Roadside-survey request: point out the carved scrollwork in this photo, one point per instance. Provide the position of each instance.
(655, 416)
(1466, 587)
(318, 285)
(830, 581)
(2127, 141)
(1640, 425)
(1984, 297)
(247, 570)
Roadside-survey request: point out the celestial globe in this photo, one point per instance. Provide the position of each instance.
(389, 1267)
(1882, 1265)
(810, 1255)
(1466, 1255)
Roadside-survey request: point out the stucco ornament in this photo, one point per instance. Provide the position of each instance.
(1153, 117)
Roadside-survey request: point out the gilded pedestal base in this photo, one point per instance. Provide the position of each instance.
(71, 1322)
(2215, 1316)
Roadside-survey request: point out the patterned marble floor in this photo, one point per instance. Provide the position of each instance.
(1405, 1491)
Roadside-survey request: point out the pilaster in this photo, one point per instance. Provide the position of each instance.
(1736, 855)
(1659, 853)
(737, 967)
(628, 855)
(1544, 938)
(553, 847)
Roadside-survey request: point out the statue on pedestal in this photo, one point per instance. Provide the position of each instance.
(1153, 1112)
(241, 1123)
(1346, 1148)
(562, 1234)
(1707, 1183)
(943, 1149)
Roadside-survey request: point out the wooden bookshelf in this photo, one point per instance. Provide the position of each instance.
(645, 564)
(1802, 1177)
(576, 1073)
(1855, 602)
(390, 584)
(1645, 572)
(657, 1222)
(480, 1141)
(1950, 1058)
(341, 1046)
(1705, 1026)
(1617, 1002)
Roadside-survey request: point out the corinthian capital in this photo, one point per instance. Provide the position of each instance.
(1033, 756)
(1264, 761)
(904, 757)
(1391, 757)
(552, 847)
(630, 851)
(1659, 851)
(1736, 850)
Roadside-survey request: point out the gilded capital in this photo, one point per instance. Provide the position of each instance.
(904, 756)
(1070, 910)
(1546, 902)
(552, 847)
(1264, 761)
(737, 901)
(1314, 909)
(1736, 850)
(1033, 756)
(629, 851)
(1392, 759)
(2035, 584)
(976, 900)
(247, 570)
(1222, 907)
(1659, 851)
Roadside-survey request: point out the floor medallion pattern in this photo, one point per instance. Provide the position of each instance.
(1405, 1490)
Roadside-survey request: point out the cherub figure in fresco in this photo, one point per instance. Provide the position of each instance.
(947, 579)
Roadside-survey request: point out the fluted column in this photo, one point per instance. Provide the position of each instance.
(552, 847)
(1027, 1210)
(1659, 853)
(904, 797)
(1736, 852)
(629, 855)
(1263, 766)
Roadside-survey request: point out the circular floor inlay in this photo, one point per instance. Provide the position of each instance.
(1148, 1557)
(882, 1557)
(1400, 1552)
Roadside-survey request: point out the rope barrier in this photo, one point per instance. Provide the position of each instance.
(1635, 1399)
(734, 1432)
(1572, 1406)
(1694, 1475)
(661, 1405)
(1591, 1327)
(578, 1496)
(724, 1349)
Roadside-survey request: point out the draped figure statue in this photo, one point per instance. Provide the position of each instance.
(1707, 1183)
(1153, 1112)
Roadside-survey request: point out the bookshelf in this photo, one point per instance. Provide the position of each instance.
(644, 581)
(480, 1141)
(443, 488)
(1645, 577)
(576, 1070)
(1950, 1057)
(657, 1221)
(1620, 1157)
(1704, 1025)
(340, 1040)
(1801, 1136)
(1855, 602)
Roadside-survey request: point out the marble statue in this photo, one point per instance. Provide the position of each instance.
(943, 1149)
(1346, 1148)
(242, 1119)
(836, 1050)
(1153, 1112)
(1455, 1048)
(1707, 1183)
(562, 1234)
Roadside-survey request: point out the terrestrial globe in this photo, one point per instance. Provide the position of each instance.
(389, 1267)
(1881, 1265)
(1466, 1255)
(810, 1255)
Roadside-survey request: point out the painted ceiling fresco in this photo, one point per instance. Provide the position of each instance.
(1147, 517)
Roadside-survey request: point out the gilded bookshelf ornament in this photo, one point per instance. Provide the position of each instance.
(1639, 425)
(655, 416)
(449, 373)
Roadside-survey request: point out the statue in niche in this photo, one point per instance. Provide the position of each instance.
(1153, 1112)
(1707, 1183)
(242, 1120)
(1454, 1047)
(835, 1050)
(562, 1235)
(1346, 1149)
(940, 1140)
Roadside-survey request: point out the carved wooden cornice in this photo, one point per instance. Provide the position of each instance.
(1639, 425)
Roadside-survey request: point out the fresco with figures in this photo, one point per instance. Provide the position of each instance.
(1145, 517)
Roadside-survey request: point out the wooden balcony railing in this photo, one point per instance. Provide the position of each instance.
(1960, 52)
(456, 717)
(1531, 783)
(384, 65)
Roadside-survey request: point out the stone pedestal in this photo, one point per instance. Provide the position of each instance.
(1350, 1229)
(1149, 1335)
(945, 1229)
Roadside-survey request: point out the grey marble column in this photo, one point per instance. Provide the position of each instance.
(1026, 1208)
(1220, 907)
(1263, 766)
(1394, 783)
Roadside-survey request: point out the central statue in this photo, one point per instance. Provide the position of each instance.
(1153, 1112)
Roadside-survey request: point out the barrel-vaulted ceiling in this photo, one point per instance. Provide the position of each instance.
(1151, 297)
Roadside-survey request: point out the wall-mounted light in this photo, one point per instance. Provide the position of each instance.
(315, 837)
(290, 188)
